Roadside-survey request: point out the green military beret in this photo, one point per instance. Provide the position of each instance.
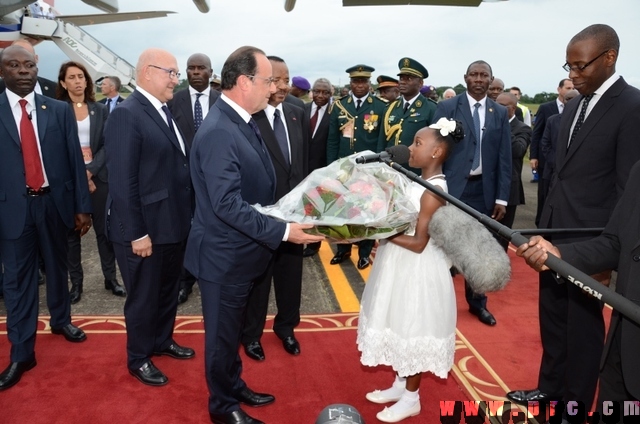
(412, 67)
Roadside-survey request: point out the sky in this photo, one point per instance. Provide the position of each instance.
(523, 40)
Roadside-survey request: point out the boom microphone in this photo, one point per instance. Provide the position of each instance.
(399, 154)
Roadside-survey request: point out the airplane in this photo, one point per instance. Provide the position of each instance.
(38, 21)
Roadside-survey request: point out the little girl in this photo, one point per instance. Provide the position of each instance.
(408, 311)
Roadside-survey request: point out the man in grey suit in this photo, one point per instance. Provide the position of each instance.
(189, 107)
(479, 169)
(110, 87)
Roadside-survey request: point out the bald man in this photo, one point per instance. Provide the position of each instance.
(150, 209)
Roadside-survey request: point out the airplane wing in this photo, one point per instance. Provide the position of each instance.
(8, 6)
(473, 3)
(94, 19)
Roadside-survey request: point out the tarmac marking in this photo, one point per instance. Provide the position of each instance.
(346, 297)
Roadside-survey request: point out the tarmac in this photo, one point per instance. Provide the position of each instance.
(317, 292)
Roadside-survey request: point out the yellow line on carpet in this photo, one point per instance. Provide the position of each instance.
(347, 299)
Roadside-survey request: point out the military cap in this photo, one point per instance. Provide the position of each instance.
(360, 71)
(412, 67)
(385, 81)
(301, 83)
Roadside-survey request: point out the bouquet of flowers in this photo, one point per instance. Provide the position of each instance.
(348, 202)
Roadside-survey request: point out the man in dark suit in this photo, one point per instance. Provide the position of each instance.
(495, 89)
(189, 107)
(43, 86)
(285, 130)
(110, 87)
(230, 244)
(536, 158)
(44, 194)
(597, 146)
(617, 247)
(549, 141)
(479, 169)
(318, 111)
(149, 212)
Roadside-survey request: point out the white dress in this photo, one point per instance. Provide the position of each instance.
(408, 309)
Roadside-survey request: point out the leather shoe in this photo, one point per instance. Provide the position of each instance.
(483, 315)
(309, 251)
(115, 288)
(340, 257)
(254, 351)
(523, 397)
(176, 351)
(251, 398)
(183, 295)
(291, 345)
(75, 294)
(363, 263)
(71, 333)
(235, 417)
(150, 375)
(12, 374)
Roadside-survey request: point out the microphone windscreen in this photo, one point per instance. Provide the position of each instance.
(400, 153)
(471, 248)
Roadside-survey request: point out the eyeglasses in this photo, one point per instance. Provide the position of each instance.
(267, 81)
(570, 68)
(171, 72)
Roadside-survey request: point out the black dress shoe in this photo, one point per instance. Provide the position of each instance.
(524, 396)
(71, 333)
(150, 375)
(178, 352)
(75, 294)
(12, 374)
(254, 351)
(235, 417)
(340, 257)
(483, 315)
(115, 288)
(309, 251)
(291, 345)
(183, 295)
(363, 263)
(251, 398)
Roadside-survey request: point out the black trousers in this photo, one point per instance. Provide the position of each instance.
(364, 248)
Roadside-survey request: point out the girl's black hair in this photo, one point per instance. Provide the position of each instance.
(451, 139)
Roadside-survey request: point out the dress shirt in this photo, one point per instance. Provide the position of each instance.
(14, 104)
(321, 112)
(270, 111)
(481, 113)
(204, 100)
(410, 101)
(597, 95)
(363, 100)
(560, 105)
(158, 105)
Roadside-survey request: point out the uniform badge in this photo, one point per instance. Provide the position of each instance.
(370, 99)
(419, 103)
(406, 62)
(370, 121)
(392, 118)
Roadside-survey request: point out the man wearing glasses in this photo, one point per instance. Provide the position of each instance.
(149, 212)
(596, 148)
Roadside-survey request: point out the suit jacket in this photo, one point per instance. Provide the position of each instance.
(287, 175)
(495, 148)
(182, 112)
(231, 170)
(149, 184)
(119, 100)
(618, 247)
(520, 139)
(48, 87)
(544, 112)
(61, 154)
(591, 174)
(97, 117)
(399, 127)
(293, 100)
(317, 146)
(548, 144)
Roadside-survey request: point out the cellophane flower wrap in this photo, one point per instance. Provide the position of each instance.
(349, 202)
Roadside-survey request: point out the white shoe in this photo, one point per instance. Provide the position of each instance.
(387, 415)
(378, 397)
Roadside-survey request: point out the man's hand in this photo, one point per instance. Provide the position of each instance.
(92, 186)
(298, 236)
(83, 223)
(498, 212)
(535, 252)
(534, 164)
(142, 247)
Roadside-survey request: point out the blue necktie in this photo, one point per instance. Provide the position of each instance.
(281, 135)
(476, 129)
(197, 112)
(166, 111)
(256, 131)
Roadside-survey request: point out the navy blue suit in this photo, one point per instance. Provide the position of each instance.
(230, 243)
(481, 194)
(149, 194)
(27, 222)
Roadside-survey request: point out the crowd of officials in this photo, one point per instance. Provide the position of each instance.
(172, 208)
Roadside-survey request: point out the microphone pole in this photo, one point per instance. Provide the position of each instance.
(569, 272)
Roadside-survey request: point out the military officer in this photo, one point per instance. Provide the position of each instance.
(354, 126)
(388, 88)
(409, 112)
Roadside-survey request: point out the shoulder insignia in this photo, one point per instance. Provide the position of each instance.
(370, 99)
(418, 103)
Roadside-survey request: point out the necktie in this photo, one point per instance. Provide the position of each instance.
(406, 106)
(109, 105)
(583, 112)
(281, 135)
(166, 111)
(358, 104)
(476, 129)
(256, 131)
(197, 112)
(30, 153)
(313, 121)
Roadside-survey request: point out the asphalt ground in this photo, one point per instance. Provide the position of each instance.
(325, 288)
